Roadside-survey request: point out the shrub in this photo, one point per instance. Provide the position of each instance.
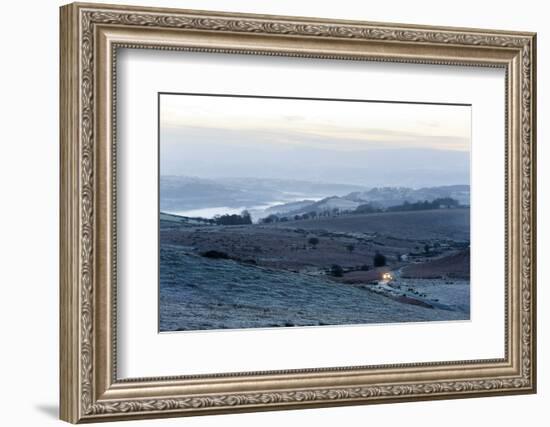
(314, 241)
(215, 254)
(379, 260)
(336, 270)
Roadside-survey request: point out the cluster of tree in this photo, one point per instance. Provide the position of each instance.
(298, 217)
(307, 215)
(366, 208)
(273, 218)
(444, 202)
(276, 218)
(234, 219)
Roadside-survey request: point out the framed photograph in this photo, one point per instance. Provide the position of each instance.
(266, 212)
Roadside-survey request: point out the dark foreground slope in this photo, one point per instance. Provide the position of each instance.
(201, 293)
(280, 274)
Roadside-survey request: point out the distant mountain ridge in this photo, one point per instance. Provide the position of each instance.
(179, 193)
(265, 197)
(382, 198)
(392, 196)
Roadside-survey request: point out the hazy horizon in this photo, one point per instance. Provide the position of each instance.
(355, 143)
(263, 178)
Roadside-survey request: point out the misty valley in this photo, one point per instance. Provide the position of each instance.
(260, 253)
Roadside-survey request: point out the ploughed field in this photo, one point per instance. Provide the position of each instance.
(280, 274)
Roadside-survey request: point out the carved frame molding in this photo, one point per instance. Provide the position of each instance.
(89, 387)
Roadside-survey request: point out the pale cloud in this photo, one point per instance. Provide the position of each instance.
(317, 124)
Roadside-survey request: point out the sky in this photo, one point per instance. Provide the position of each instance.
(364, 143)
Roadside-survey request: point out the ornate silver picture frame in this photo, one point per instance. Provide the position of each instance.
(92, 36)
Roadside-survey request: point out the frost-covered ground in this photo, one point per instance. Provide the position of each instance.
(453, 294)
(202, 293)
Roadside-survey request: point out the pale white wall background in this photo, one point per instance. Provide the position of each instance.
(29, 170)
